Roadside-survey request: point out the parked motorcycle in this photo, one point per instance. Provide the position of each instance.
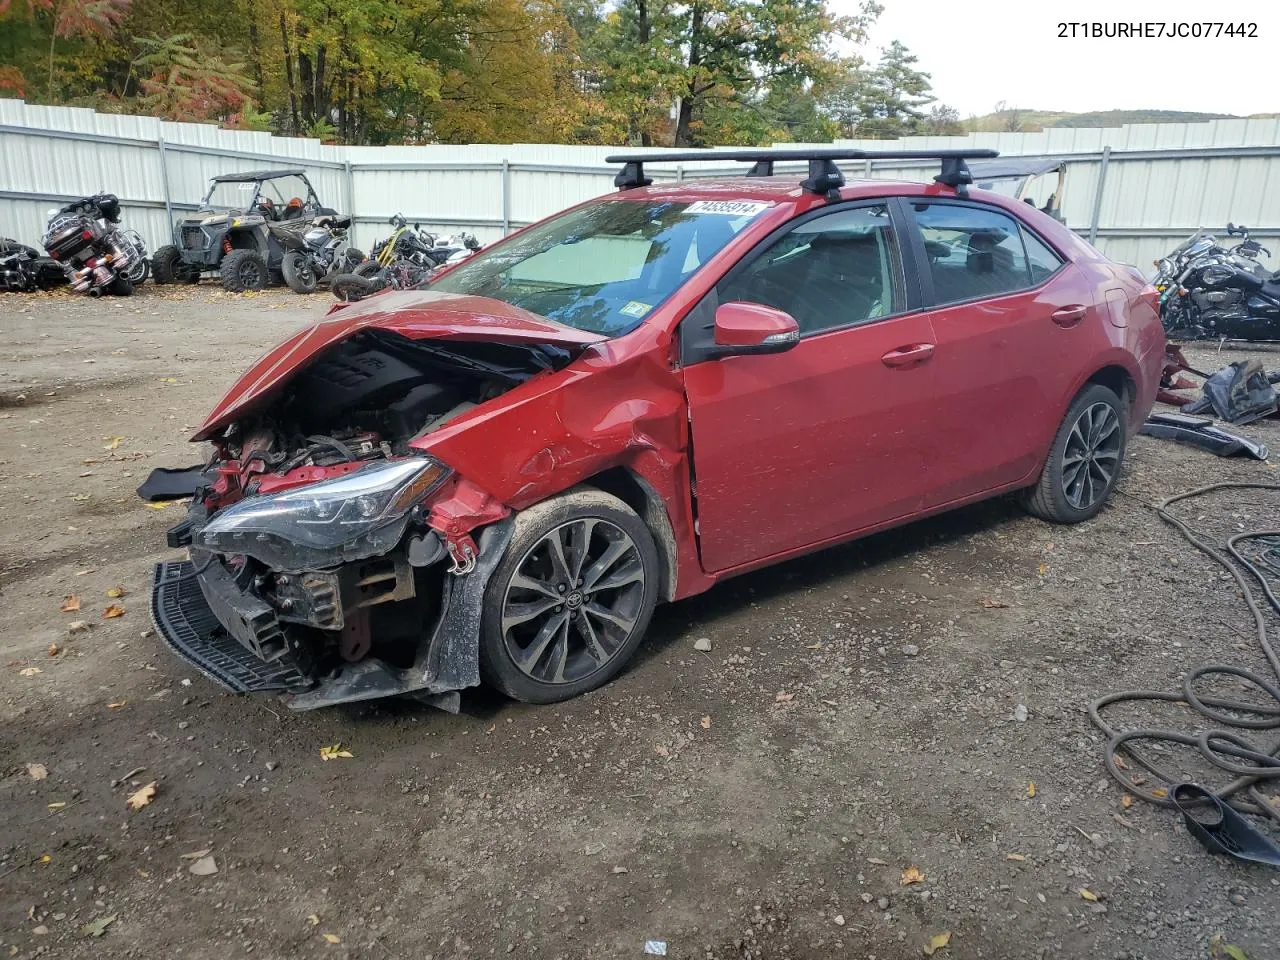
(315, 251)
(98, 257)
(406, 260)
(1212, 292)
(25, 269)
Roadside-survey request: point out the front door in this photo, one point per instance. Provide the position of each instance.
(797, 448)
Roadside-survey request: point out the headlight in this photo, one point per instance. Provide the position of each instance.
(335, 521)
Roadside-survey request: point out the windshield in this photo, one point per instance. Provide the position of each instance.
(231, 195)
(604, 267)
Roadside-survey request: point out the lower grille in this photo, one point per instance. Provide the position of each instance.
(187, 625)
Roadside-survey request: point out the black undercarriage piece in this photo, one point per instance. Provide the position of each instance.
(1199, 432)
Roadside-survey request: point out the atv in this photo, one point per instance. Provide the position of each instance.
(237, 229)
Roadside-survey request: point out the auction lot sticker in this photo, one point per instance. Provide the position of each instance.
(728, 208)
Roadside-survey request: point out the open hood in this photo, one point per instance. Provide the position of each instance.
(415, 315)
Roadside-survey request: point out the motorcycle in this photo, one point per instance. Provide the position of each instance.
(24, 269)
(1212, 292)
(98, 257)
(406, 260)
(315, 251)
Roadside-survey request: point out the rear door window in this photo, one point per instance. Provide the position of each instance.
(975, 252)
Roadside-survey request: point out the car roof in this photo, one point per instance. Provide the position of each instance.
(257, 175)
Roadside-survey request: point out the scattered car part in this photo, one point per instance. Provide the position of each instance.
(1220, 828)
(173, 483)
(1240, 392)
(1199, 432)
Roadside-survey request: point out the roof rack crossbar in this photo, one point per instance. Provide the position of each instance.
(824, 177)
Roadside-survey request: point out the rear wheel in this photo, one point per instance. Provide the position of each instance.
(120, 286)
(367, 269)
(244, 270)
(348, 287)
(139, 272)
(570, 601)
(1084, 461)
(299, 272)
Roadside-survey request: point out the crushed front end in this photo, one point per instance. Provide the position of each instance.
(329, 560)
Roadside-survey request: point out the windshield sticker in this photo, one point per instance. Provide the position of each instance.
(728, 208)
(636, 309)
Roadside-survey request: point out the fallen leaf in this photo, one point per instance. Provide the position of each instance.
(492, 727)
(1120, 762)
(335, 753)
(97, 928)
(991, 603)
(197, 854)
(157, 506)
(1126, 801)
(115, 593)
(1031, 789)
(37, 771)
(314, 919)
(936, 943)
(1088, 894)
(112, 442)
(30, 671)
(332, 937)
(117, 705)
(912, 875)
(1015, 856)
(113, 610)
(1233, 952)
(140, 798)
(168, 379)
(204, 867)
(661, 751)
(79, 626)
(80, 497)
(1160, 793)
(70, 603)
(1044, 568)
(55, 806)
(53, 650)
(705, 723)
(784, 697)
(1224, 951)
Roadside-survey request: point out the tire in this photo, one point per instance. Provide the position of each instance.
(120, 286)
(348, 287)
(139, 272)
(243, 270)
(167, 265)
(1083, 464)
(299, 272)
(367, 269)
(535, 650)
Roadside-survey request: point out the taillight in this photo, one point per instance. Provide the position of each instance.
(86, 234)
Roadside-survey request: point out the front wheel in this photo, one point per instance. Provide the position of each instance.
(139, 272)
(1084, 461)
(244, 270)
(299, 272)
(121, 286)
(570, 601)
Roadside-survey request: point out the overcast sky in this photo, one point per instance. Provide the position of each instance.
(981, 52)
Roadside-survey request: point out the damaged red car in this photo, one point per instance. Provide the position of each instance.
(498, 478)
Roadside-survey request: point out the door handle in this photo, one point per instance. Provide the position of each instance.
(908, 356)
(1069, 316)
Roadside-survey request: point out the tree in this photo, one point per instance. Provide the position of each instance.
(182, 78)
(891, 97)
(942, 121)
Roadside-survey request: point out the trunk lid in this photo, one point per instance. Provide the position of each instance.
(415, 314)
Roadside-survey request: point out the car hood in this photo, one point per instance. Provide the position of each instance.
(416, 315)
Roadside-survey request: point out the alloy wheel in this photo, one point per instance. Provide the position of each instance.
(573, 601)
(1091, 456)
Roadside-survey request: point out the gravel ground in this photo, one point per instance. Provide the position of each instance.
(882, 706)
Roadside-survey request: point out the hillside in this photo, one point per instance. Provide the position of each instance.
(1033, 120)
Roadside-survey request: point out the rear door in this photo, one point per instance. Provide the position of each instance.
(1009, 316)
(797, 448)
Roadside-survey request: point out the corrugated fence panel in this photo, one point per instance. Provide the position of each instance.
(1186, 177)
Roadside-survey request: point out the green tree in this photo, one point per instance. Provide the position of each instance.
(883, 102)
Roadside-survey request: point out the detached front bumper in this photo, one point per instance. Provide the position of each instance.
(226, 632)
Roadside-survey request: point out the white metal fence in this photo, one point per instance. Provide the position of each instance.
(1136, 190)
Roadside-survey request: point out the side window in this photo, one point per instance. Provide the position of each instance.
(828, 272)
(1041, 261)
(972, 252)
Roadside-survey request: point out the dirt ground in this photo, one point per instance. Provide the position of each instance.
(860, 712)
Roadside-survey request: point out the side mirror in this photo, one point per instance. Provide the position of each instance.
(742, 327)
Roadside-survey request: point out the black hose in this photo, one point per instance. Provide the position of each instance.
(319, 440)
(1220, 747)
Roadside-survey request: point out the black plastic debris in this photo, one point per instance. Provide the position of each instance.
(1240, 392)
(1199, 432)
(173, 483)
(1221, 829)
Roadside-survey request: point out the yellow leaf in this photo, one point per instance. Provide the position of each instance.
(1126, 801)
(142, 797)
(157, 506)
(1160, 793)
(115, 593)
(1088, 894)
(70, 603)
(112, 442)
(53, 649)
(335, 753)
(113, 610)
(332, 938)
(1044, 568)
(1015, 856)
(46, 859)
(56, 806)
(314, 919)
(1031, 789)
(117, 705)
(705, 723)
(168, 379)
(30, 671)
(936, 943)
(912, 875)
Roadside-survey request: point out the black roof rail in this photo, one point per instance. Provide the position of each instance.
(824, 177)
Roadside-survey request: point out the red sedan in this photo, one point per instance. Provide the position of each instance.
(499, 478)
